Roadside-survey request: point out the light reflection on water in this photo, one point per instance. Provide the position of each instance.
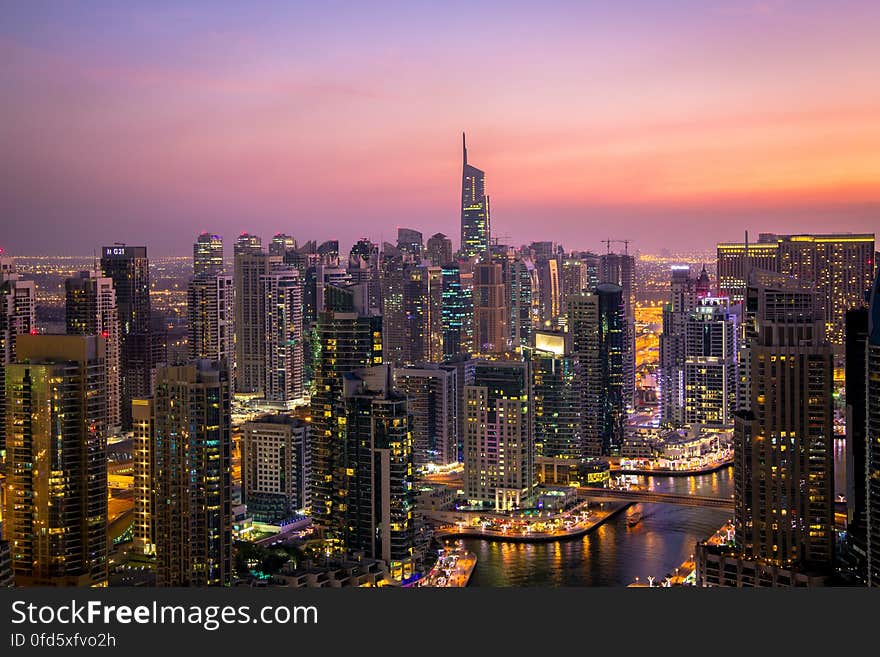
(614, 554)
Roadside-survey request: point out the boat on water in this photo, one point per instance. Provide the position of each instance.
(634, 519)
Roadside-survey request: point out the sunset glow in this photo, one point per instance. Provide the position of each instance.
(657, 118)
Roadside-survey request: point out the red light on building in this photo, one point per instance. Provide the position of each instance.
(105, 334)
(34, 331)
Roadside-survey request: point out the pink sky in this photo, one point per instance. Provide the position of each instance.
(669, 126)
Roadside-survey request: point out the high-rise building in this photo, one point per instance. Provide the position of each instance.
(573, 280)
(142, 346)
(346, 341)
(556, 396)
(208, 255)
(410, 241)
(784, 460)
(281, 290)
(856, 547)
(328, 252)
(872, 437)
(376, 515)
(144, 462)
(56, 487)
(90, 309)
(499, 453)
(393, 271)
(211, 314)
(282, 245)
(525, 309)
(18, 308)
(475, 231)
(275, 467)
(840, 266)
(710, 363)
(129, 268)
(685, 294)
(423, 312)
(363, 269)
(251, 264)
(18, 303)
(6, 577)
(439, 250)
(619, 269)
(490, 313)
(735, 260)
(191, 478)
(432, 394)
(549, 291)
(456, 312)
(596, 323)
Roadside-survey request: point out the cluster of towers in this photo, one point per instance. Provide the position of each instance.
(357, 371)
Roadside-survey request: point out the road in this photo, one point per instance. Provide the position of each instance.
(659, 498)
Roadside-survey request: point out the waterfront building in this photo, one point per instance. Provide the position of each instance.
(499, 435)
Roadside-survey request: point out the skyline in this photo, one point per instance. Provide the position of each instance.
(150, 123)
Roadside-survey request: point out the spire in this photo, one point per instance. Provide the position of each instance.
(463, 149)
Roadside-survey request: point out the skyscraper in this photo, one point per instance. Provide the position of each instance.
(56, 490)
(275, 467)
(346, 340)
(394, 268)
(556, 396)
(573, 280)
(432, 396)
(208, 255)
(596, 322)
(872, 394)
(490, 312)
(499, 453)
(549, 291)
(856, 548)
(90, 309)
(363, 269)
(475, 233)
(144, 524)
(282, 245)
(839, 265)
(619, 269)
(211, 314)
(251, 264)
(525, 310)
(456, 312)
(376, 511)
(281, 290)
(410, 241)
(191, 481)
(710, 363)
(18, 306)
(685, 294)
(733, 265)
(142, 348)
(784, 467)
(439, 250)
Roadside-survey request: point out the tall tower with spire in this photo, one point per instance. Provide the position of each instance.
(474, 208)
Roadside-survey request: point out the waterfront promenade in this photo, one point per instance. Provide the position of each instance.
(579, 524)
(452, 571)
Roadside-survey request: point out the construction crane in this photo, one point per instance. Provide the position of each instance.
(609, 242)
